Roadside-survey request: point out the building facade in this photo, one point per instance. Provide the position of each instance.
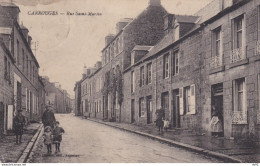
(22, 73)
(203, 62)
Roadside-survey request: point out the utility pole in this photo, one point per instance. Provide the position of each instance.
(36, 44)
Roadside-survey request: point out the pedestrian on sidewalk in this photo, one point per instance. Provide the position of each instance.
(57, 136)
(216, 126)
(19, 122)
(159, 119)
(47, 136)
(48, 118)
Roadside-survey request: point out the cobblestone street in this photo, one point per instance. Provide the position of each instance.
(91, 142)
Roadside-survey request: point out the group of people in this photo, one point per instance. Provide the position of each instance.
(52, 131)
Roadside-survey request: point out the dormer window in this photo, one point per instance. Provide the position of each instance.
(177, 31)
(133, 58)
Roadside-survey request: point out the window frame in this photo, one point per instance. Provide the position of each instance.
(141, 107)
(132, 81)
(166, 65)
(149, 73)
(175, 62)
(142, 76)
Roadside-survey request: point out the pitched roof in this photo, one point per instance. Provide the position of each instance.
(142, 48)
(186, 18)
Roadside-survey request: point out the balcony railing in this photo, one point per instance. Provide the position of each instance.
(216, 61)
(238, 54)
(257, 49)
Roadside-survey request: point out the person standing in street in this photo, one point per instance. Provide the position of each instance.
(48, 138)
(48, 118)
(57, 136)
(19, 122)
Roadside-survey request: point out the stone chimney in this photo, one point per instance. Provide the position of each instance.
(25, 31)
(109, 38)
(29, 40)
(168, 23)
(98, 65)
(122, 23)
(155, 2)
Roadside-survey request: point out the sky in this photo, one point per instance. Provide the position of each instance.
(67, 43)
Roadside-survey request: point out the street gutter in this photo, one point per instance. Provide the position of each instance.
(26, 153)
(221, 156)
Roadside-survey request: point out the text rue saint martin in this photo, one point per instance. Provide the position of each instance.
(68, 13)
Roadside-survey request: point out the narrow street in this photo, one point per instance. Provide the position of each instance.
(89, 142)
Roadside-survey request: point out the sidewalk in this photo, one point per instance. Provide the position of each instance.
(9, 151)
(243, 152)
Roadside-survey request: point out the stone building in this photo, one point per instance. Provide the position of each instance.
(57, 97)
(24, 76)
(203, 60)
(197, 63)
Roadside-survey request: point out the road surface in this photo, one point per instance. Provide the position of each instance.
(85, 141)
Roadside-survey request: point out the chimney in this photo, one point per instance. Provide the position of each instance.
(155, 2)
(25, 32)
(98, 64)
(122, 23)
(84, 76)
(168, 23)
(29, 40)
(109, 38)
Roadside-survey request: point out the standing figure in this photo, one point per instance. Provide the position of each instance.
(47, 136)
(216, 126)
(57, 136)
(159, 119)
(48, 118)
(19, 122)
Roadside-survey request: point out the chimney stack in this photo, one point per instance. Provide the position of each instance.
(109, 38)
(155, 2)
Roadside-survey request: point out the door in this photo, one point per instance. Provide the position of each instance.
(2, 114)
(149, 109)
(132, 111)
(10, 116)
(176, 109)
(217, 101)
(165, 104)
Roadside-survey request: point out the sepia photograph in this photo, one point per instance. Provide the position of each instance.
(129, 81)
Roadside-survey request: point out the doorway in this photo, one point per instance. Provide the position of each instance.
(132, 111)
(176, 109)
(165, 104)
(149, 109)
(217, 101)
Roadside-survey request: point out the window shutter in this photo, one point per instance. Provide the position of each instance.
(193, 99)
(258, 115)
(181, 101)
(173, 62)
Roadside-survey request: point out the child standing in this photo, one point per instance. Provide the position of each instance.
(48, 138)
(57, 136)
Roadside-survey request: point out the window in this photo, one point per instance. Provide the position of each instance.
(238, 32)
(177, 32)
(18, 57)
(132, 81)
(23, 60)
(86, 88)
(216, 42)
(187, 100)
(142, 76)
(7, 69)
(27, 65)
(166, 66)
(117, 48)
(141, 107)
(239, 102)
(240, 95)
(175, 63)
(149, 73)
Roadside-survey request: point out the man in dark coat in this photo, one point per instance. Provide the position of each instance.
(48, 118)
(19, 122)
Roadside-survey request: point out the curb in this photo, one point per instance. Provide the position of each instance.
(30, 146)
(221, 156)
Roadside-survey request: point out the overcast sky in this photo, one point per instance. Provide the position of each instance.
(66, 43)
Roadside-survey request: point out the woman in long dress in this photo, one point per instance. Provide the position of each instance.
(216, 126)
